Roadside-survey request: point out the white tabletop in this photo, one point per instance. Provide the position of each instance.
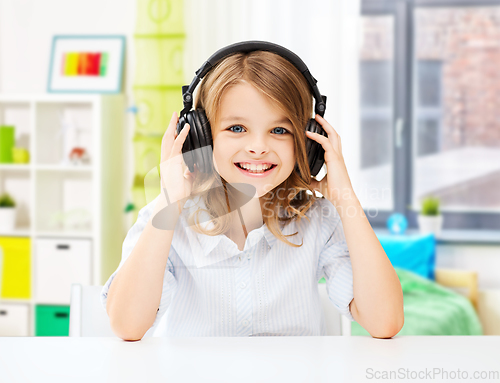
(253, 359)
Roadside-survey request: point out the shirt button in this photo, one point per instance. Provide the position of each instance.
(244, 323)
(243, 285)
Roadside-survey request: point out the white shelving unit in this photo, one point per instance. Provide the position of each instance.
(60, 203)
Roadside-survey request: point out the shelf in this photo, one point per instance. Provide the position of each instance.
(49, 167)
(64, 234)
(49, 98)
(61, 128)
(58, 202)
(15, 300)
(26, 232)
(17, 182)
(65, 201)
(65, 168)
(61, 233)
(18, 114)
(17, 232)
(15, 166)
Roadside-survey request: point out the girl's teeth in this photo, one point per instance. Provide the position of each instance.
(255, 168)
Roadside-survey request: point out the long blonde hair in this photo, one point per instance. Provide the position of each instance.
(283, 84)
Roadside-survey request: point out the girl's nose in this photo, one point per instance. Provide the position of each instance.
(257, 145)
(258, 149)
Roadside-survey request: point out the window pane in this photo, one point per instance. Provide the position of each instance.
(457, 107)
(376, 112)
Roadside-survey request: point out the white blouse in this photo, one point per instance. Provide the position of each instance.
(211, 288)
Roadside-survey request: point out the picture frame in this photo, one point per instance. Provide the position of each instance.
(86, 64)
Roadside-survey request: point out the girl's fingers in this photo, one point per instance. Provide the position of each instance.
(331, 132)
(326, 126)
(319, 138)
(168, 137)
(326, 144)
(179, 141)
(171, 126)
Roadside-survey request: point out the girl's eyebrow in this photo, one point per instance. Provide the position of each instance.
(232, 118)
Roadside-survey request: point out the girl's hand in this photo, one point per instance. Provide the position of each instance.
(176, 179)
(336, 185)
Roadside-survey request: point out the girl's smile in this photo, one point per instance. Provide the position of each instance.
(255, 168)
(253, 141)
(257, 174)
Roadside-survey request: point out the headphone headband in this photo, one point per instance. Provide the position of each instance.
(250, 46)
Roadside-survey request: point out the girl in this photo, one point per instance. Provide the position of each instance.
(254, 271)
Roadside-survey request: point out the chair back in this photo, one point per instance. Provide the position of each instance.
(336, 323)
(87, 317)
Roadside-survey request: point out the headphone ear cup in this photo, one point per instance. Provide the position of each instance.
(187, 147)
(205, 133)
(201, 156)
(194, 141)
(315, 152)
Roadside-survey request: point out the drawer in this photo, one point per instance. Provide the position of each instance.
(51, 320)
(59, 264)
(16, 268)
(14, 319)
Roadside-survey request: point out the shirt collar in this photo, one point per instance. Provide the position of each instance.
(203, 246)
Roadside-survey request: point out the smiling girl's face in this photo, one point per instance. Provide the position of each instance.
(253, 141)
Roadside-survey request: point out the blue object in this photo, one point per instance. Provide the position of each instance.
(415, 253)
(397, 223)
(133, 109)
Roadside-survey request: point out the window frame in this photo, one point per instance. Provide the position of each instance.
(403, 115)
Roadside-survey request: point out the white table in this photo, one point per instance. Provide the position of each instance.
(252, 359)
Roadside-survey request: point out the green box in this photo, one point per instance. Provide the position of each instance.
(7, 142)
(160, 17)
(155, 108)
(159, 61)
(51, 320)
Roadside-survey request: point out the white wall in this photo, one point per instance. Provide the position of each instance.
(485, 259)
(27, 27)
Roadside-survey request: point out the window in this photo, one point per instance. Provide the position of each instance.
(376, 112)
(430, 108)
(458, 107)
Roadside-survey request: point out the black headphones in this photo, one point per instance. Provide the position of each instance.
(200, 134)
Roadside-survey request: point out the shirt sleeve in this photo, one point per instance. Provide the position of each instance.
(169, 281)
(335, 261)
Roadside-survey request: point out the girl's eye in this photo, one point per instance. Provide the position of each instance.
(238, 128)
(280, 131)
